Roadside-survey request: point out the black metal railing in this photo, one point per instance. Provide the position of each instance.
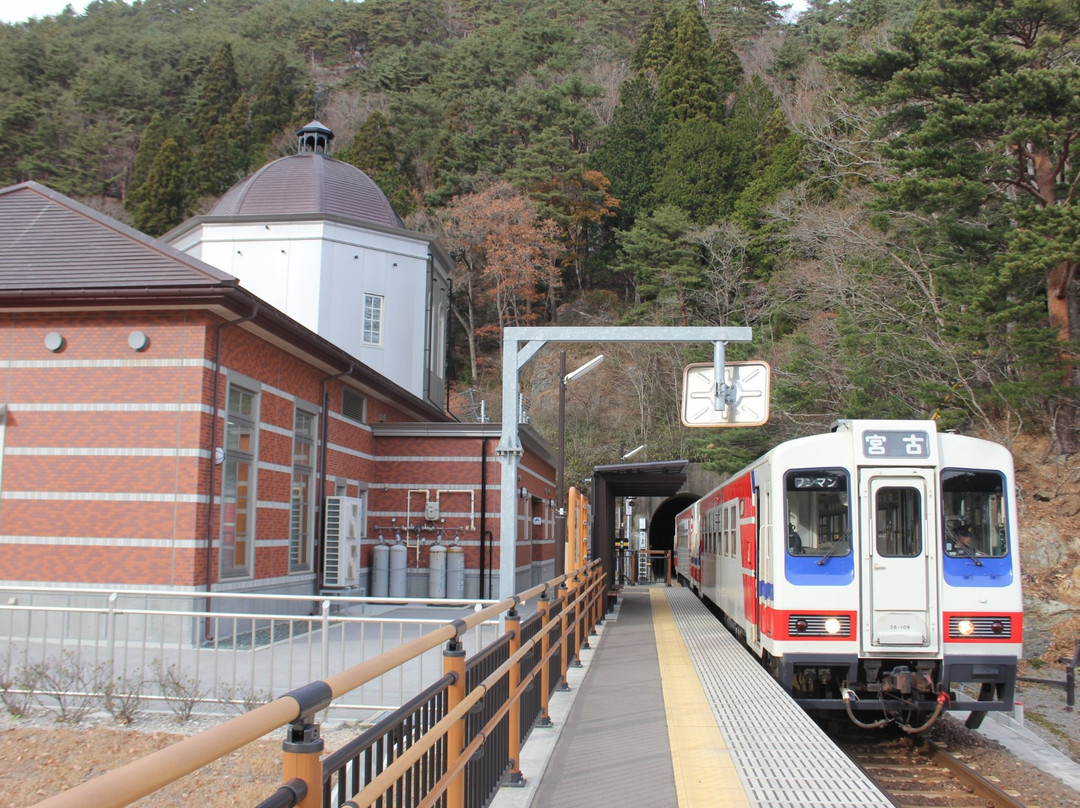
(530, 666)
(484, 773)
(408, 752)
(357, 763)
(555, 644)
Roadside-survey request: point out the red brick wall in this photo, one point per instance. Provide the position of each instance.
(107, 454)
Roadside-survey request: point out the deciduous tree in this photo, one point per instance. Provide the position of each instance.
(504, 259)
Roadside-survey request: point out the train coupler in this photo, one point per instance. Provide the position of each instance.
(902, 681)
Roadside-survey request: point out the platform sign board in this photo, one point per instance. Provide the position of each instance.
(750, 408)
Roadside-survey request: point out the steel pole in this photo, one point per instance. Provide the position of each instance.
(560, 475)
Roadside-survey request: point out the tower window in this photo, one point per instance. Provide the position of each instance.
(373, 308)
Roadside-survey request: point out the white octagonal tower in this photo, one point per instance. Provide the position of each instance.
(317, 239)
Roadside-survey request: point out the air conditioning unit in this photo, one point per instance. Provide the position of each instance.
(341, 550)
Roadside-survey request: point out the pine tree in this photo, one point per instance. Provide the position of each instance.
(373, 152)
(273, 105)
(223, 158)
(703, 169)
(630, 147)
(153, 136)
(654, 47)
(162, 199)
(656, 257)
(216, 93)
(688, 84)
(985, 102)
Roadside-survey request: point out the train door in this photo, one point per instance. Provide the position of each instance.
(899, 539)
(760, 509)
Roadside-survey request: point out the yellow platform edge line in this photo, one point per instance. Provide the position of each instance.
(705, 773)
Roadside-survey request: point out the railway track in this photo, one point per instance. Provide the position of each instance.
(915, 773)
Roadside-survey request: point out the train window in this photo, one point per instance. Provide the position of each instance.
(819, 516)
(732, 529)
(974, 516)
(899, 522)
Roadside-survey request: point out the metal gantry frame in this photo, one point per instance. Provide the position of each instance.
(520, 345)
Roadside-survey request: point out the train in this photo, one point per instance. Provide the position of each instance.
(873, 569)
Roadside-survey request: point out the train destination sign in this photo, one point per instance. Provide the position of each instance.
(878, 443)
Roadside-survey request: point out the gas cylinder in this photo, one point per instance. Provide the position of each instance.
(399, 562)
(380, 570)
(455, 572)
(437, 572)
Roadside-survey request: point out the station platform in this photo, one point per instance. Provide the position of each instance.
(668, 709)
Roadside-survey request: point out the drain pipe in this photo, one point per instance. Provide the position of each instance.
(483, 518)
(320, 482)
(213, 457)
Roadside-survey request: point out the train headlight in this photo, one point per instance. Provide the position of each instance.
(832, 625)
(966, 627)
(997, 627)
(801, 625)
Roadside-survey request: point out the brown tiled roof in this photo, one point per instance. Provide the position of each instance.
(56, 252)
(305, 184)
(49, 241)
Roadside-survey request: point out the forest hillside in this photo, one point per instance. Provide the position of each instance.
(883, 190)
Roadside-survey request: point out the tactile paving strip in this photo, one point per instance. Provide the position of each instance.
(783, 757)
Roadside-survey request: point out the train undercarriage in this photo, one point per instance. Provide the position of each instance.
(910, 692)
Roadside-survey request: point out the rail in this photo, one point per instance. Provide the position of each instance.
(453, 744)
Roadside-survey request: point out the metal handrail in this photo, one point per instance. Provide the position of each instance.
(146, 775)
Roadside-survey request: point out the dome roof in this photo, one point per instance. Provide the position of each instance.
(309, 183)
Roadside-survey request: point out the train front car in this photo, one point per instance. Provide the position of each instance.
(890, 572)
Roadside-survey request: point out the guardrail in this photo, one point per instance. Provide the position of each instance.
(1069, 685)
(453, 744)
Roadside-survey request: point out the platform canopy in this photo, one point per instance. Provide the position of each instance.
(663, 478)
(657, 479)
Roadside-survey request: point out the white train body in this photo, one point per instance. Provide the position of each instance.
(835, 558)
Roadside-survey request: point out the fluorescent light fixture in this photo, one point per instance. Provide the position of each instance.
(581, 371)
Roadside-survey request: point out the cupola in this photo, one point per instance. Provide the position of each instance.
(314, 138)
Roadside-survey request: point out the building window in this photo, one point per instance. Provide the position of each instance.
(302, 505)
(354, 406)
(238, 484)
(373, 307)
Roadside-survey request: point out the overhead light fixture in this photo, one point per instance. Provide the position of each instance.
(581, 371)
(633, 452)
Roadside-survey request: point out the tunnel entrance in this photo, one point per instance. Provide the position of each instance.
(662, 529)
(657, 479)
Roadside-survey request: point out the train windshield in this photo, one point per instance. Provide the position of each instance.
(819, 516)
(974, 518)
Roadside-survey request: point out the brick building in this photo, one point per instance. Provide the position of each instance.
(163, 427)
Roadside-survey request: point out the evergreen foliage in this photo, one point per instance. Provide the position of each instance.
(373, 151)
(689, 82)
(984, 107)
(161, 202)
(216, 93)
(698, 162)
